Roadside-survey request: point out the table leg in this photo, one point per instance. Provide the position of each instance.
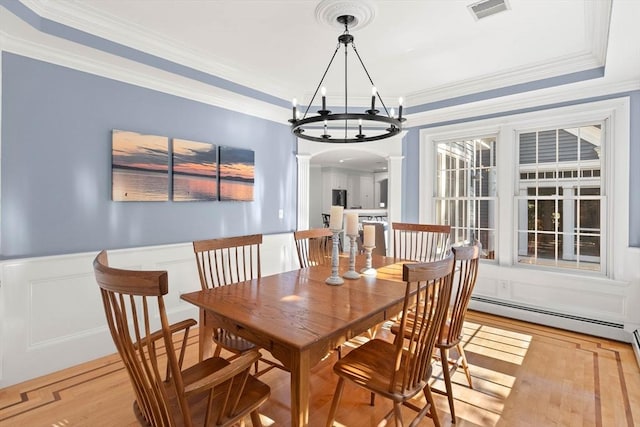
(205, 332)
(300, 371)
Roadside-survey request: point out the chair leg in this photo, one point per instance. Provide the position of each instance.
(433, 413)
(397, 410)
(336, 399)
(372, 399)
(255, 419)
(444, 356)
(465, 366)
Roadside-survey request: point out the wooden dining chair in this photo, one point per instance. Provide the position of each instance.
(313, 246)
(467, 260)
(392, 370)
(420, 242)
(224, 261)
(212, 392)
(465, 275)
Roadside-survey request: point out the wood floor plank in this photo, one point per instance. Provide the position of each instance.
(523, 375)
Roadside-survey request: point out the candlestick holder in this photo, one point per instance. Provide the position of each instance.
(352, 273)
(368, 270)
(334, 279)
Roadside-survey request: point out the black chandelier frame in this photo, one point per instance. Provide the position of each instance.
(324, 116)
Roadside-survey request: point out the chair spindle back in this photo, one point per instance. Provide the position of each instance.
(131, 299)
(467, 261)
(428, 289)
(313, 246)
(228, 260)
(420, 242)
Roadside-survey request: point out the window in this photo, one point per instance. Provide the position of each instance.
(549, 190)
(466, 190)
(559, 197)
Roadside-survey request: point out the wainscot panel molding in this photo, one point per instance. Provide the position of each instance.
(51, 313)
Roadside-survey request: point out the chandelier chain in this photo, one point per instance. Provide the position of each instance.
(321, 80)
(353, 45)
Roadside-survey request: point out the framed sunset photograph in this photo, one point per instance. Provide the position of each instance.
(237, 173)
(195, 171)
(139, 167)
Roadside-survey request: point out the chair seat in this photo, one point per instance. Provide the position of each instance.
(442, 341)
(371, 366)
(253, 396)
(232, 342)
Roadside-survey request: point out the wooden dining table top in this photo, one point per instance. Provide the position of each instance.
(297, 307)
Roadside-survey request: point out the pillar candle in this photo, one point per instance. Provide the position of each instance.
(335, 221)
(369, 236)
(351, 228)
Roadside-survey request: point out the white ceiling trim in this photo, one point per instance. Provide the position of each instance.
(561, 66)
(26, 41)
(85, 18)
(520, 102)
(598, 19)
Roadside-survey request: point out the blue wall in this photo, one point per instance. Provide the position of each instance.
(411, 152)
(56, 164)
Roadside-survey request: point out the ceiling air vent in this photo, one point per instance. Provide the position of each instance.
(485, 8)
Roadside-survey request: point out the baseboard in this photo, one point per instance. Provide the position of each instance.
(635, 343)
(586, 325)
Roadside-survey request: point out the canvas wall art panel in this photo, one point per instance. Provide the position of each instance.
(139, 167)
(195, 171)
(237, 173)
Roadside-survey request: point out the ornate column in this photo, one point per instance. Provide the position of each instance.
(394, 196)
(303, 191)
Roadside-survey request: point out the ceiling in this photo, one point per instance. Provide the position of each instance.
(421, 50)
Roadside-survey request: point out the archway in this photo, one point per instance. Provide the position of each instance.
(389, 149)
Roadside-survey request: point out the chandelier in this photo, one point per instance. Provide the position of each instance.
(349, 125)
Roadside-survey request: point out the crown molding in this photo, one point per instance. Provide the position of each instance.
(531, 73)
(519, 102)
(85, 18)
(24, 40)
(597, 20)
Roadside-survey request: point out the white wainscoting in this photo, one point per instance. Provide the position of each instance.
(51, 314)
(593, 305)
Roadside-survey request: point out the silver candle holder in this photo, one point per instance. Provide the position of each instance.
(368, 270)
(352, 273)
(334, 279)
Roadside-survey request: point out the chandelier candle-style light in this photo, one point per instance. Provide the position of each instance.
(348, 124)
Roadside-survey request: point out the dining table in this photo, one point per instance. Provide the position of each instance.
(299, 318)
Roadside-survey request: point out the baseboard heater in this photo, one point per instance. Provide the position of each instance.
(635, 342)
(550, 313)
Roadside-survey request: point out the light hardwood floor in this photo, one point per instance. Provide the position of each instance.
(523, 375)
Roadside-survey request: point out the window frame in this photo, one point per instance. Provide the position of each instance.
(488, 252)
(520, 194)
(614, 113)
